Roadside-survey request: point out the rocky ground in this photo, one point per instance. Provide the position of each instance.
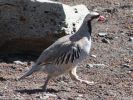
(110, 64)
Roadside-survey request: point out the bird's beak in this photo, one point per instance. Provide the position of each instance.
(101, 18)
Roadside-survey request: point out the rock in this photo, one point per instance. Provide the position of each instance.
(89, 65)
(102, 34)
(18, 62)
(95, 65)
(94, 56)
(131, 52)
(42, 97)
(78, 98)
(46, 96)
(104, 40)
(51, 95)
(125, 66)
(29, 26)
(2, 79)
(116, 37)
(131, 39)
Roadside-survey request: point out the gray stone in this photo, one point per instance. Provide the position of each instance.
(32, 25)
(131, 52)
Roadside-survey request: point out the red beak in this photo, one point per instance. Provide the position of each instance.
(101, 18)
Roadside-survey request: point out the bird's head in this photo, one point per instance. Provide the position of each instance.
(89, 18)
(94, 15)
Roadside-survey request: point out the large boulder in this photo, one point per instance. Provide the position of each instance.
(32, 25)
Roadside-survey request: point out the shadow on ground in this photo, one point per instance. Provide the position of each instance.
(24, 57)
(34, 91)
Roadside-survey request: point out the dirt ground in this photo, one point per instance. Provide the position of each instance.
(114, 51)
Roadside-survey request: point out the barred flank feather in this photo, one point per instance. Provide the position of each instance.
(70, 56)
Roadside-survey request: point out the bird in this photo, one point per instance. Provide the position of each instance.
(64, 55)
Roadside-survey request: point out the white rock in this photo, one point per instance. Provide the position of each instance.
(46, 96)
(116, 37)
(42, 97)
(95, 65)
(93, 56)
(102, 34)
(89, 65)
(18, 62)
(32, 25)
(51, 95)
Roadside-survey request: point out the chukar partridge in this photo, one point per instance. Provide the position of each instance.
(68, 51)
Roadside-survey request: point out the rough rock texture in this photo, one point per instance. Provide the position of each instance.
(32, 25)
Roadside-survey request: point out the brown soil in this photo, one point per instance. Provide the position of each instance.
(113, 81)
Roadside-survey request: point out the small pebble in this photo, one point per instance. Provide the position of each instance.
(102, 34)
(42, 97)
(125, 66)
(80, 95)
(131, 54)
(93, 56)
(116, 37)
(2, 79)
(18, 62)
(105, 41)
(51, 95)
(95, 65)
(46, 96)
(131, 39)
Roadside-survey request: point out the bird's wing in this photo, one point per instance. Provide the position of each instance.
(60, 52)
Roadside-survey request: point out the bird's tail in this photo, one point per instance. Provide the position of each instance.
(34, 68)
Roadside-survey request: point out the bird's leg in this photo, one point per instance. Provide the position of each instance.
(75, 77)
(44, 87)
